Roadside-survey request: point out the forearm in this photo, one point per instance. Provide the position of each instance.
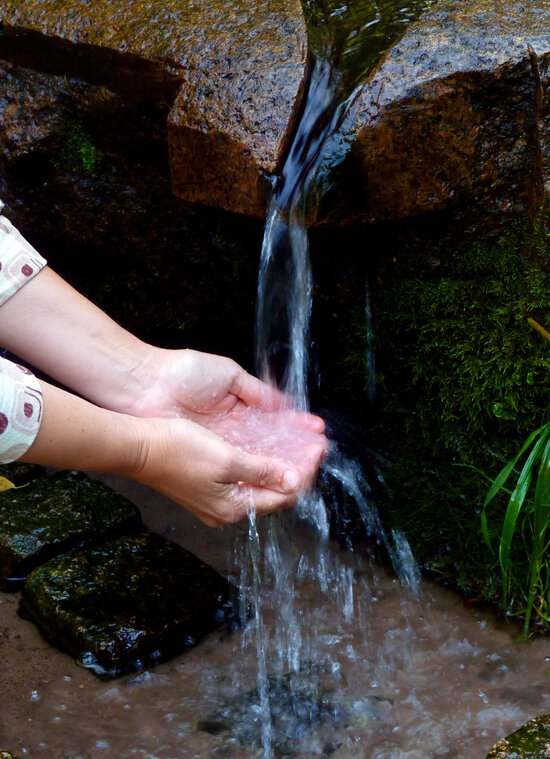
(53, 327)
(75, 434)
(175, 456)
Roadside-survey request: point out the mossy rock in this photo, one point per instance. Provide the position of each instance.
(50, 516)
(129, 603)
(6, 755)
(531, 741)
(21, 474)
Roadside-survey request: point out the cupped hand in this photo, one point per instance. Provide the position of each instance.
(216, 481)
(279, 435)
(200, 386)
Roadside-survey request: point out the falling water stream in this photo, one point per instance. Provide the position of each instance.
(282, 345)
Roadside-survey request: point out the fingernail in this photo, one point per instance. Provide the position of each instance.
(290, 480)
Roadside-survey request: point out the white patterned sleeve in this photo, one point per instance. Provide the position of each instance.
(20, 410)
(19, 261)
(20, 395)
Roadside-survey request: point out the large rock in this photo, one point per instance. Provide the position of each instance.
(455, 115)
(233, 72)
(531, 741)
(129, 603)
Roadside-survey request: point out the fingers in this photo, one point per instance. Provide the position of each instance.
(264, 472)
(299, 419)
(254, 392)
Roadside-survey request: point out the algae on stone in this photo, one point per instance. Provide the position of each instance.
(128, 603)
(52, 515)
(531, 741)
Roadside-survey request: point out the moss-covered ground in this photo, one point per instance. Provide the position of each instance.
(462, 379)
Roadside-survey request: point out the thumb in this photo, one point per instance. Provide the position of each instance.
(265, 472)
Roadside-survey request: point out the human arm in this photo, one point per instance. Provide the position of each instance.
(212, 479)
(53, 327)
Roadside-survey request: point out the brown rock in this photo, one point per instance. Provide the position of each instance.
(238, 68)
(454, 115)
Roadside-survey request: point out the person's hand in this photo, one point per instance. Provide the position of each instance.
(200, 386)
(214, 479)
(217, 482)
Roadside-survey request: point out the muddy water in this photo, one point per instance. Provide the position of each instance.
(418, 677)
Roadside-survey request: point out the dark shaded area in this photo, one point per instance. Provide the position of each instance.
(128, 603)
(90, 188)
(21, 474)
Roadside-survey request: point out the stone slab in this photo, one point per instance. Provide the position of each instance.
(235, 70)
(129, 603)
(531, 741)
(456, 114)
(50, 516)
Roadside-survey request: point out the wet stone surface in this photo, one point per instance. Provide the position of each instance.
(52, 515)
(129, 603)
(234, 69)
(531, 741)
(454, 115)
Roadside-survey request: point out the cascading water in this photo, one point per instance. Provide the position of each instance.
(282, 341)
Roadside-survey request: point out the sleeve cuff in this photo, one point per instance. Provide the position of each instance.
(19, 261)
(20, 410)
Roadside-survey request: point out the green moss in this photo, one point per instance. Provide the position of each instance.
(462, 378)
(531, 741)
(78, 152)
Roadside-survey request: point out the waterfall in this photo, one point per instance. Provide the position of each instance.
(295, 545)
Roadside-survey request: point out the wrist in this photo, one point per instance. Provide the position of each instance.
(75, 434)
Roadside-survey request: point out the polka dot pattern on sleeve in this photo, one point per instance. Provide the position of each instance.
(20, 410)
(19, 261)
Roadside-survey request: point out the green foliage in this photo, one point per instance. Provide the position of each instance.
(532, 502)
(463, 379)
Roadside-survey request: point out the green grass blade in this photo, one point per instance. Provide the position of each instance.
(503, 475)
(514, 507)
(498, 485)
(542, 497)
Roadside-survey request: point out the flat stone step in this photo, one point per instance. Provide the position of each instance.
(52, 515)
(129, 603)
